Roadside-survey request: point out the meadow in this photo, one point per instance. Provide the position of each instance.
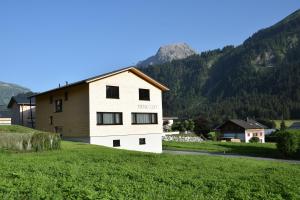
(268, 150)
(83, 171)
(287, 122)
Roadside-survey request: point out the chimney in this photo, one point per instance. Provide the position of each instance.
(59, 85)
(67, 83)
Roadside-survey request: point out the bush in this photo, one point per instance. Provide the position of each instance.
(34, 141)
(254, 140)
(213, 136)
(287, 143)
(186, 125)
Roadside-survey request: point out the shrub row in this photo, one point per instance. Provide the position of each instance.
(35, 141)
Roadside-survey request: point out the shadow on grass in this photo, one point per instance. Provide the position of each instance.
(260, 151)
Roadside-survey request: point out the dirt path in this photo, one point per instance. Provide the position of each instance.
(190, 152)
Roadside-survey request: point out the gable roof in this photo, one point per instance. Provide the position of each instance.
(249, 124)
(106, 75)
(257, 123)
(21, 99)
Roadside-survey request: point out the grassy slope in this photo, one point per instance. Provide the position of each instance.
(263, 150)
(287, 122)
(87, 171)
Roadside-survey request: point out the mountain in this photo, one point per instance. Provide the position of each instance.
(259, 78)
(168, 53)
(7, 90)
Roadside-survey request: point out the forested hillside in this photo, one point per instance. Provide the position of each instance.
(260, 78)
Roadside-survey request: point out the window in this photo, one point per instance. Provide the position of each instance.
(109, 118)
(144, 118)
(51, 99)
(142, 141)
(248, 134)
(116, 143)
(51, 120)
(112, 92)
(144, 94)
(58, 105)
(66, 96)
(255, 134)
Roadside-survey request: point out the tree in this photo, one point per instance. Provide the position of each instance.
(287, 143)
(282, 125)
(190, 125)
(202, 125)
(186, 125)
(266, 122)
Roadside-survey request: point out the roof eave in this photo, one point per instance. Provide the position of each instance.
(136, 72)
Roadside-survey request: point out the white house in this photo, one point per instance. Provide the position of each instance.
(121, 109)
(242, 130)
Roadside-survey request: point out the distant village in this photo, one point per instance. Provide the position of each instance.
(121, 109)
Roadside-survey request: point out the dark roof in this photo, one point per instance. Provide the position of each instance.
(249, 124)
(169, 118)
(21, 99)
(257, 123)
(88, 80)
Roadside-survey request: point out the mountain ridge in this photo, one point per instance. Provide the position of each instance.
(7, 90)
(259, 78)
(168, 53)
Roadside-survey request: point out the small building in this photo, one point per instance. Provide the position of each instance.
(121, 109)
(22, 110)
(168, 122)
(236, 129)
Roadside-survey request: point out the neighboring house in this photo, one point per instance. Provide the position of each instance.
(22, 110)
(243, 130)
(120, 109)
(168, 122)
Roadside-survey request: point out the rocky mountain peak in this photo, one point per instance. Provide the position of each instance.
(168, 53)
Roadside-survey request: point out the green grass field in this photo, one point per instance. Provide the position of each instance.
(82, 171)
(263, 150)
(287, 122)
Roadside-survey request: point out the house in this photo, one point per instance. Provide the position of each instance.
(168, 122)
(22, 110)
(121, 109)
(236, 129)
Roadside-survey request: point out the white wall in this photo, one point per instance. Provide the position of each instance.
(131, 142)
(129, 102)
(5, 121)
(258, 131)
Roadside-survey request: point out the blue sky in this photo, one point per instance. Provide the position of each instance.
(47, 42)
